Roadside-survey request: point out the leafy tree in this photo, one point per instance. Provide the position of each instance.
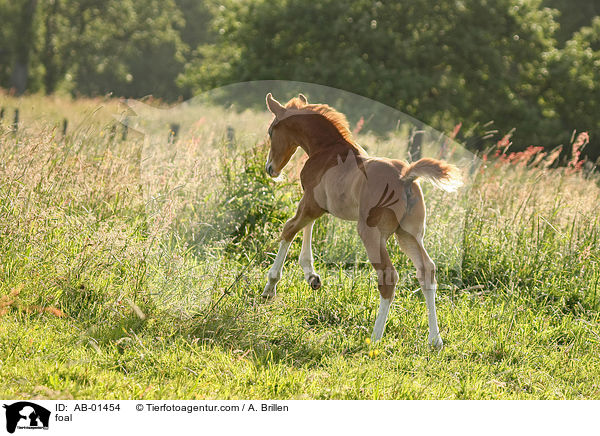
(128, 47)
(572, 16)
(18, 34)
(131, 48)
(441, 62)
(8, 11)
(195, 29)
(572, 96)
(49, 56)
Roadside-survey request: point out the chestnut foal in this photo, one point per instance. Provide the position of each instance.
(340, 178)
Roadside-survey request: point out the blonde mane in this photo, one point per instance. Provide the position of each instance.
(338, 119)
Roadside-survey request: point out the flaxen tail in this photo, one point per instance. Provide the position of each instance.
(442, 174)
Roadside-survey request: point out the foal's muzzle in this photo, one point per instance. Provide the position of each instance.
(269, 170)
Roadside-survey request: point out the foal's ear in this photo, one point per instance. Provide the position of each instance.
(274, 106)
(303, 98)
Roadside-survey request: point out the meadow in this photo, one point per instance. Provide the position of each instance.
(132, 274)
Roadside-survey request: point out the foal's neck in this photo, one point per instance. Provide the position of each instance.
(315, 134)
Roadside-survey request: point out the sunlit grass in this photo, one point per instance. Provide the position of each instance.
(161, 298)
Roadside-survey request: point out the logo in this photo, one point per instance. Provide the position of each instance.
(26, 415)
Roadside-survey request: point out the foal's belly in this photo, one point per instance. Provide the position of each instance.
(339, 193)
(343, 206)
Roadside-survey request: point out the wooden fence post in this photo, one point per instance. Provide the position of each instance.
(414, 146)
(16, 121)
(230, 136)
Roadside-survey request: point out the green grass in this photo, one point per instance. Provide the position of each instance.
(161, 299)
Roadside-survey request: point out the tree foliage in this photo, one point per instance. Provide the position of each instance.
(128, 47)
(92, 47)
(572, 16)
(572, 95)
(442, 62)
(528, 64)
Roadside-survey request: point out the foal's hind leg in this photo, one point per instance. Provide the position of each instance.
(306, 258)
(414, 249)
(387, 277)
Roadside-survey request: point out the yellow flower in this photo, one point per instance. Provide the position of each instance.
(371, 354)
(367, 341)
(376, 352)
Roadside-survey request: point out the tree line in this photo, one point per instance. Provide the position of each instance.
(131, 48)
(532, 65)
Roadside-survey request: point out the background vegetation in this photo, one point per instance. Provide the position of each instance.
(532, 65)
(105, 294)
(131, 269)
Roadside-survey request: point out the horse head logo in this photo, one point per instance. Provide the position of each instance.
(27, 415)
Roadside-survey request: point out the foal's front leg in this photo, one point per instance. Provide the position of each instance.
(287, 236)
(274, 273)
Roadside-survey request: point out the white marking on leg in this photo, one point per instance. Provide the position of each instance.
(435, 340)
(306, 258)
(274, 273)
(384, 310)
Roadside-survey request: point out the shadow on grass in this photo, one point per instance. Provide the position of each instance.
(268, 340)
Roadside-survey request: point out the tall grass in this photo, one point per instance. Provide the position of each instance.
(126, 273)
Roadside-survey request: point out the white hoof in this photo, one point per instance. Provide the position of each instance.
(436, 342)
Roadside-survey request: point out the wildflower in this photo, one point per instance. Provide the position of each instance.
(371, 354)
(539, 156)
(575, 164)
(367, 341)
(505, 142)
(455, 131)
(359, 126)
(554, 154)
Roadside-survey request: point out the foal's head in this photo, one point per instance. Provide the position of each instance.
(283, 142)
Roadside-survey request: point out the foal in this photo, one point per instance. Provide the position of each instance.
(340, 178)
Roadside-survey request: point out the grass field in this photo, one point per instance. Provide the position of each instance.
(118, 280)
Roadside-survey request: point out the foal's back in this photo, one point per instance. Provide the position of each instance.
(356, 187)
